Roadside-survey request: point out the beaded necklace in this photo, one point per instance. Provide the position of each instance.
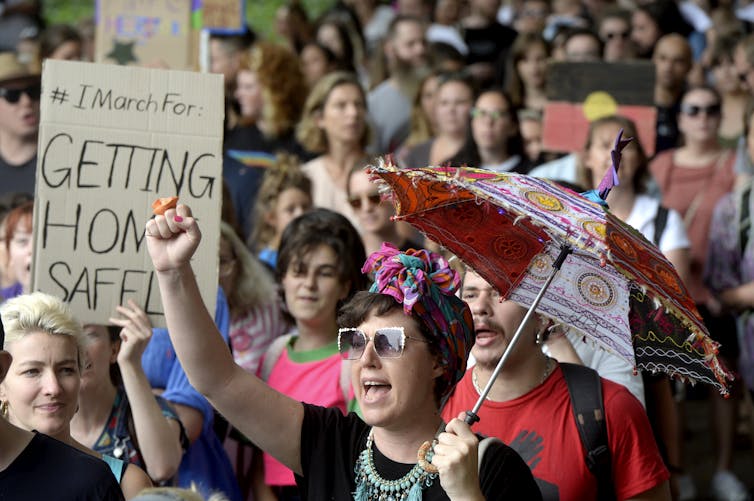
(371, 486)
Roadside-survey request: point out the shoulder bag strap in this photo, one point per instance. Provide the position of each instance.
(585, 389)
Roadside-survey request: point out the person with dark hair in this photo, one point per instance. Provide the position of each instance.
(390, 101)
(35, 466)
(60, 41)
(692, 179)
(529, 407)
(333, 34)
(489, 42)
(650, 21)
(453, 101)
(494, 138)
(673, 60)
(407, 340)
(20, 89)
(118, 414)
(317, 60)
(293, 26)
(582, 45)
(318, 269)
(729, 274)
(614, 29)
(526, 76)
(374, 214)
(225, 52)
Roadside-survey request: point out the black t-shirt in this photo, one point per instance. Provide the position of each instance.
(49, 469)
(18, 178)
(331, 444)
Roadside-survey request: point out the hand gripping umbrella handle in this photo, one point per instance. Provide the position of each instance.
(471, 416)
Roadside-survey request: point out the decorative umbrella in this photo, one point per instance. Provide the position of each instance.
(614, 285)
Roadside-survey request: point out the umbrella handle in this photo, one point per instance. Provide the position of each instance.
(471, 416)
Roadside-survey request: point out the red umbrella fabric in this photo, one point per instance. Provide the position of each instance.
(615, 287)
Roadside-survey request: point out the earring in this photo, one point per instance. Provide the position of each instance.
(4, 409)
(538, 340)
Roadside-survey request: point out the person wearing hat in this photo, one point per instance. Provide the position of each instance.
(408, 340)
(19, 124)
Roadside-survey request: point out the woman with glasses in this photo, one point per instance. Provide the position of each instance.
(692, 179)
(494, 141)
(408, 340)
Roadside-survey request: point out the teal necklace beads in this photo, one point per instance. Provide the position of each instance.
(370, 486)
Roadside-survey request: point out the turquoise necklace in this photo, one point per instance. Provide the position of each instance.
(370, 486)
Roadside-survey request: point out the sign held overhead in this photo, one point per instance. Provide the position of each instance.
(112, 139)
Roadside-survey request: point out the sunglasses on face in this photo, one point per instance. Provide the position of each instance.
(388, 342)
(617, 34)
(693, 110)
(493, 115)
(371, 199)
(14, 95)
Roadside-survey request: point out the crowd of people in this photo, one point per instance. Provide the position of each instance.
(342, 355)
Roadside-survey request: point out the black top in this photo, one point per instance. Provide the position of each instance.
(331, 444)
(18, 178)
(49, 469)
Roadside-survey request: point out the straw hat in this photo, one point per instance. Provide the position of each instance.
(11, 70)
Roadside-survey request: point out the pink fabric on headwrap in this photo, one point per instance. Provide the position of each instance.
(423, 282)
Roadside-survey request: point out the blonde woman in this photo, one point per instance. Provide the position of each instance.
(334, 125)
(41, 391)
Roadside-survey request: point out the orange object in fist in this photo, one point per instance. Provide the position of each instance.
(160, 205)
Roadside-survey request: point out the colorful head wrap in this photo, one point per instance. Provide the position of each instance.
(423, 282)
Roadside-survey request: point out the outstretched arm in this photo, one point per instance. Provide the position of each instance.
(269, 419)
(159, 438)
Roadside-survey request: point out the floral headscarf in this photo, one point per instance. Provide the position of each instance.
(423, 282)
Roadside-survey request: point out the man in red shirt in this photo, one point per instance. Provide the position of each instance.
(529, 408)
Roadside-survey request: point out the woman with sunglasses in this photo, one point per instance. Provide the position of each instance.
(409, 339)
(374, 215)
(692, 179)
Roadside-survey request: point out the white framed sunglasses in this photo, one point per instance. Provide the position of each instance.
(388, 342)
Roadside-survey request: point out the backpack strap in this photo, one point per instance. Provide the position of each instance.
(585, 389)
(484, 444)
(744, 225)
(661, 220)
(272, 355)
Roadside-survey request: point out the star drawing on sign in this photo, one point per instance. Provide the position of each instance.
(122, 52)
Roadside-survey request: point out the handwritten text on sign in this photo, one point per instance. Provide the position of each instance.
(113, 139)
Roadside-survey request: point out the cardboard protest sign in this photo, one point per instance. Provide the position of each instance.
(222, 16)
(146, 32)
(579, 93)
(112, 139)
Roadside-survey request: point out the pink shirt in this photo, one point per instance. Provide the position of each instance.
(309, 376)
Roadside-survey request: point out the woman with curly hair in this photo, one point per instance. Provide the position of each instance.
(270, 92)
(334, 125)
(285, 193)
